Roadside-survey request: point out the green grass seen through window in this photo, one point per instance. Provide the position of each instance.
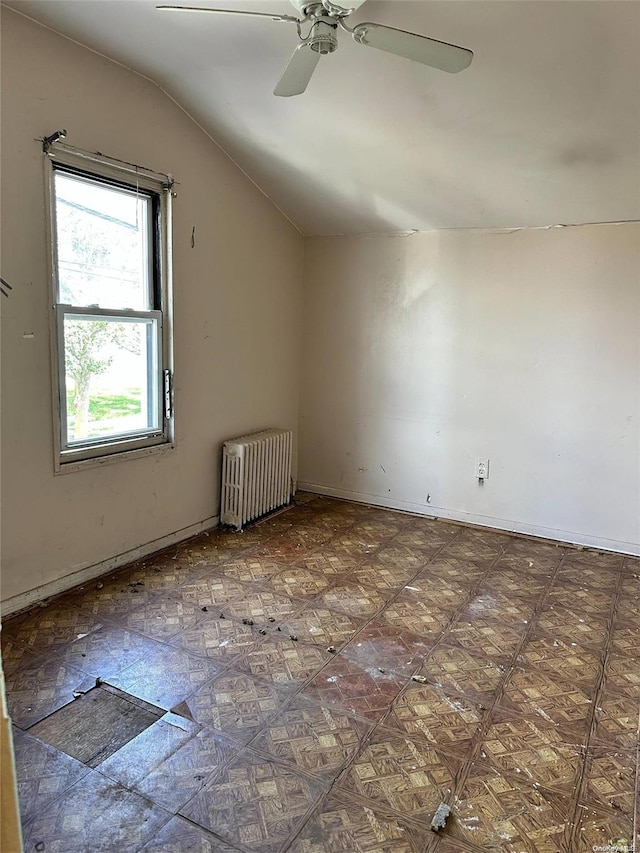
(103, 406)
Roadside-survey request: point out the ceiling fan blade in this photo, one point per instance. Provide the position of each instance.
(273, 17)
(295, 77)
(438, 54)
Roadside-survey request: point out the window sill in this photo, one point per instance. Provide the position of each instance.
(112, 458)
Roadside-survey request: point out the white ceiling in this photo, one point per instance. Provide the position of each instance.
(543, 128)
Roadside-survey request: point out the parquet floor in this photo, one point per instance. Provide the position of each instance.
(329, 677)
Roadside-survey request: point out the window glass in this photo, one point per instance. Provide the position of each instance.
(111, 377)
(104, 244)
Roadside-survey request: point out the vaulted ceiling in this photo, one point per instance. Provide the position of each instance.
(542, 129)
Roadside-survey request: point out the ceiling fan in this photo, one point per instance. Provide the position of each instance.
(324, 17)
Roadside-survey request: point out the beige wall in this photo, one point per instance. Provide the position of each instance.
(237, 302)
(422, 353)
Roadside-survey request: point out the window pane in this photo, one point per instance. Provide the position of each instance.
(111, 377)
(103, 244)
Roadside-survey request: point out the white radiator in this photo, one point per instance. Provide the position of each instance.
(256, 475)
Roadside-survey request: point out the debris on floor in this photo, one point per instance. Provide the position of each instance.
(439, 820)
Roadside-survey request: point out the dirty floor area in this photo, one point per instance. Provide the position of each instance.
(322, 682)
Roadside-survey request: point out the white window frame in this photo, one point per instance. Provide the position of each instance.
(101, 450)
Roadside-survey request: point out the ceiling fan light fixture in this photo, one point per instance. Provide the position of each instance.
(337, 10)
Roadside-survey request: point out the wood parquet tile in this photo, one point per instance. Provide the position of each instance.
(536, 750)
(456, 670)
(423, 618)
(401, 774)
(167, 677)
(535, 692)
(262, 606)
(106, 652)
(380, 574)
(236, 704)
(350, 825)
(255, 802)
(40, 687)
(609, 780)
(114, 595)
(380, 645)
(355, 687)
(464, 572)
(567, 660)
(215, 638)
(625, 639)
(177, 777)
(96, 814)
(424, 711)
(317, 739)
(330, 675)
(596, 829)
(329, 562)
(250, 569)
(182, 836)
(324, 627)
(43, 773)
(498, 811)
(298, 583)
(354, 599)
(45, 628)
(282, 661)
(162, 617)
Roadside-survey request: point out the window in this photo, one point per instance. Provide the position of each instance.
(111, 302)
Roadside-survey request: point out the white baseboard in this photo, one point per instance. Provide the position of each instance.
(87, 573)
(566, 536)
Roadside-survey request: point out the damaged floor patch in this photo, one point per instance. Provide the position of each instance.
(97, 724)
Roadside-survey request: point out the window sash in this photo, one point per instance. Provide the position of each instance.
(155, 383)
(152, 293)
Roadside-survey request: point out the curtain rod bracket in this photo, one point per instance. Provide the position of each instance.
(48, 141)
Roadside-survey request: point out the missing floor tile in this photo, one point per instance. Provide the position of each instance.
(97, 724)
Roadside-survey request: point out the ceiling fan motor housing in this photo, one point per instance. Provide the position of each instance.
(322, 37)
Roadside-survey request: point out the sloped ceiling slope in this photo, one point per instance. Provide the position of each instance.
(543, 128)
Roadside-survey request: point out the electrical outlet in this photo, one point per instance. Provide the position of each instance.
(482, 469)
